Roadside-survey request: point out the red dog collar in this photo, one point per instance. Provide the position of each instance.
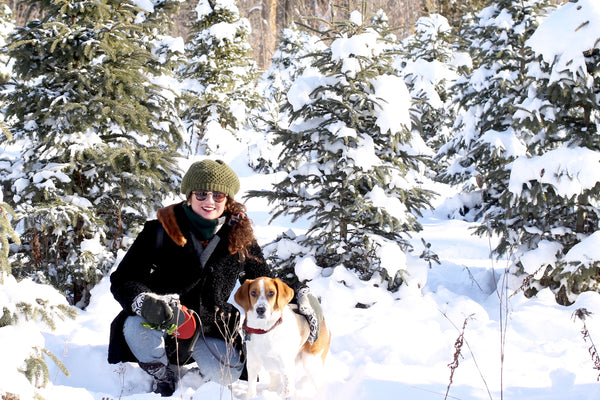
(249, 330)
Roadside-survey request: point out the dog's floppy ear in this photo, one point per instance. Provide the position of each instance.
(285, 294)
(242, 296)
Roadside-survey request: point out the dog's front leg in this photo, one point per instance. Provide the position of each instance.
(276, 382)
(288, 382)
(252, 379)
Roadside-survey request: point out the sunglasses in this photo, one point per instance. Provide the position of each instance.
(202, 195)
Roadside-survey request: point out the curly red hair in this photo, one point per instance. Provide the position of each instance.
(241, 236)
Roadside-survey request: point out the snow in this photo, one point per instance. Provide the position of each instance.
(566, 33)
(362, 45)
(545, 254)
(92, 245)
(392, 204)
(204, 7)
(506, 141)
(224, 31)
(567, 169)
(299, 92)
(348, 50)
(391, 115)
(79, 201)
(427, 74)
(393, 344)
(6, 27)
(363, 156)
(586, 251)
(385, 345)
(307, 269)
(393, 259)
(356, 18)
(145, 5)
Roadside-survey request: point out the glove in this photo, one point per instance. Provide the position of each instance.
(310, 307)
(165, 312)
(156, 309)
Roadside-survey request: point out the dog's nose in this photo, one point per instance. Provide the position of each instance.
(260, 310)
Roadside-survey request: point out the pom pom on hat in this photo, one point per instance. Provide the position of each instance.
(210, 175)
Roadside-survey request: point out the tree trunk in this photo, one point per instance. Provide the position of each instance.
(270, 18)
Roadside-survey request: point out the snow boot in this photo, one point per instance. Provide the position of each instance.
(165, 380)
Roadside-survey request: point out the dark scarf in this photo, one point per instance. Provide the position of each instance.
(204, 228)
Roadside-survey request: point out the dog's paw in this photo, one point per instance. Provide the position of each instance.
(239, 389)
(287, 394)
(250, 395)
(251, 392)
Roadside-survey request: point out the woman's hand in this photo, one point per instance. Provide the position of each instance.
(156, 309)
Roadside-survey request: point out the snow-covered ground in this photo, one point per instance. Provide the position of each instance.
(395, 345)
(400, 346)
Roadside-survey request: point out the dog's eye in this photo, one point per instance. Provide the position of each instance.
(271, 294)
(254, 293)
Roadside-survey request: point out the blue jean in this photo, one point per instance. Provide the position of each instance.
(148, 345)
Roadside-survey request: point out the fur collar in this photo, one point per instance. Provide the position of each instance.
(167, 218)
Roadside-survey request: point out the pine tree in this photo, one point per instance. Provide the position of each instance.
(427, 64)
(291, 58)
(453, 10)
(37, 315)
(487, 138)
(350, 171)
(98, 152)
(553, 206)
(15, 310)
(157, 20)
(220, 76)
(6, 233)
(6, 27)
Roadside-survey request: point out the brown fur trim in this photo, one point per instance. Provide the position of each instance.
(166, 216)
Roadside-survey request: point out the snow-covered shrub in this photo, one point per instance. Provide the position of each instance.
(25, 309)
(350, 163)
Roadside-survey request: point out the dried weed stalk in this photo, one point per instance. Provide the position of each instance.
(582, 314)
(458, 344)
(230, 333)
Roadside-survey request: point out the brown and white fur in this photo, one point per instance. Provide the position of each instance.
(276, 336)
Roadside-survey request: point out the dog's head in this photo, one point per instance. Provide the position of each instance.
(263, 296)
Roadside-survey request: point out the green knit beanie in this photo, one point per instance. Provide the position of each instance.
(210, 175)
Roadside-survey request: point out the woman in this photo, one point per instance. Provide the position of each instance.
(191, 256)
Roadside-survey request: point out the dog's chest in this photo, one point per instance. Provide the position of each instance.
(281, 342)
(275, 339)
(267, 347)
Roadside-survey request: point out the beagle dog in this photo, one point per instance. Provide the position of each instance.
(276, 336)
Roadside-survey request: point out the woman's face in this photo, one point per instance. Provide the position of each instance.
(207, 208)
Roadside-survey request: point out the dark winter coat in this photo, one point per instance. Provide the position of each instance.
(164, 260)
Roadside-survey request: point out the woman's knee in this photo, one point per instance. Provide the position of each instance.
(147, 345)
(217, 360)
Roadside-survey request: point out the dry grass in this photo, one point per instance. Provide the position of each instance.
(582, 314)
